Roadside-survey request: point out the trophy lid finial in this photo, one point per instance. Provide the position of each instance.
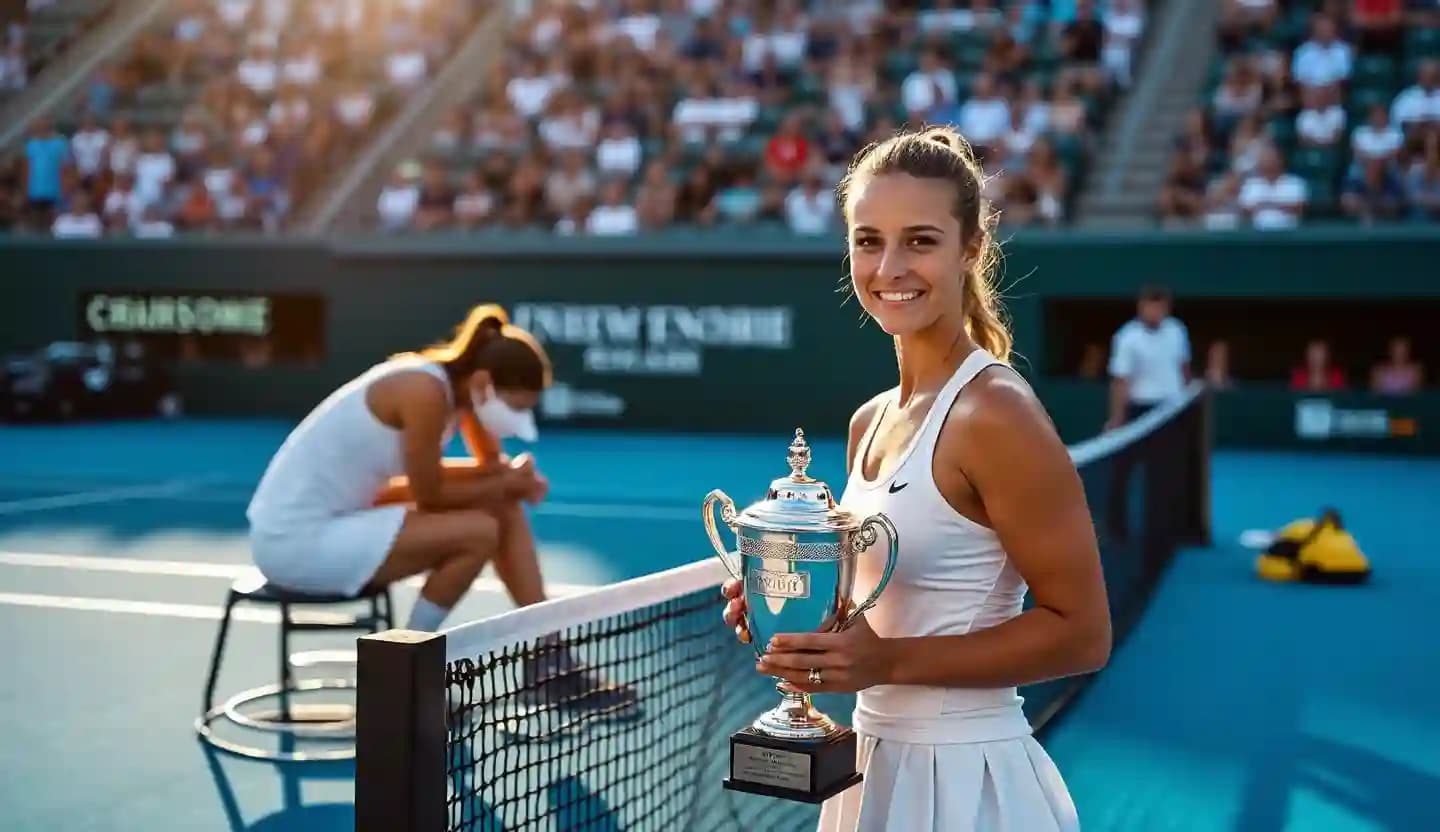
(799, 456)
(798, 503)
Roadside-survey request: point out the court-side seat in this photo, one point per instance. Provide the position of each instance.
(328, 721)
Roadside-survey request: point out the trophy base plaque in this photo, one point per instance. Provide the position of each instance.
(810, 771)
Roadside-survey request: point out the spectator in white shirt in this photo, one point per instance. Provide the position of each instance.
(191, 22)
(638, 23)
(930, 85)
(785, 40)
(121, 209)
(1149, 358)
(233, 13)
(571, 184)
(400, 198)
(619, 152)
(474, 205)
(1419, 105)
(709, 115)
(258, 71)
(190, 140)
(1124, 23)
(942, 17)
(124, 147)
(302, 65)
(614, 216)
(153, 224)
(354, 107)
(407, 67)
(530, 89)
(89, 145)
(810, 207)
(290, 110)
(154, 169)
(1273, 198)
(77, 221)
(1322, 122)
(1016, 143)
(1377, 139)
(985, 116)
(1324, 59)
(14, 73)
(571, 124)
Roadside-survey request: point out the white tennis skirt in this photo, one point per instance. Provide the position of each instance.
(1003, 786)
(338, 556)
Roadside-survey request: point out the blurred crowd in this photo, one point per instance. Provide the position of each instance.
(225, 114)
(613, 117)
(33, 32)
(1325, 110)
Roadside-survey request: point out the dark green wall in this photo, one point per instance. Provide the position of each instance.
(386, 295)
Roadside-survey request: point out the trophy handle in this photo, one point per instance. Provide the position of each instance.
(864, 540)
(727, 516)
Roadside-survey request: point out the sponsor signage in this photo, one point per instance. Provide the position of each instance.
(653, 340)
(1320, 419)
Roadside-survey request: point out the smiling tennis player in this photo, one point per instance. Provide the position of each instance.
(964, 460)
(360, 493)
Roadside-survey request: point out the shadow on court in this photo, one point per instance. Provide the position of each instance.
(293, 814)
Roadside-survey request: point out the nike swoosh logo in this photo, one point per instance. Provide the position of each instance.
(896, 486)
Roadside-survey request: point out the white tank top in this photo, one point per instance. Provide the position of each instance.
(335, 460)
(951, 577)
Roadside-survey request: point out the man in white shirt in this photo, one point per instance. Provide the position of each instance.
(1419, 104)
(1149, 358)
(810, 208)
(1273, 198)
(1149, 363)
(985, 116)
(1324, 59)
(930, 85)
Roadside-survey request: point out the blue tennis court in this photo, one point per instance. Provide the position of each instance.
(1235, 704)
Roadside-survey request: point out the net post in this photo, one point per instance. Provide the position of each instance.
(1202, 447)
(400, 732)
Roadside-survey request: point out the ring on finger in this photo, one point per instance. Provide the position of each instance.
(814, 676)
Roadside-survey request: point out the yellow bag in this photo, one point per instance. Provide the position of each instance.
(1314, 551)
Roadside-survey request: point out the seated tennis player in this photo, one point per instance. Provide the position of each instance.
(361, 495)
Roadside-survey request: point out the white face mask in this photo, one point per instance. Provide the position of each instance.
(504, 421)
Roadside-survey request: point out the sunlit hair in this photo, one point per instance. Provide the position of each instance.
(486, 340)
(942, 153)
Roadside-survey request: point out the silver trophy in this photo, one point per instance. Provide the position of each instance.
(797, 555)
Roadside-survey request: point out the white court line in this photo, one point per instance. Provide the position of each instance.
(150, 608)
(201, 569)
(182, 569)
(182, 492)
(98, 496)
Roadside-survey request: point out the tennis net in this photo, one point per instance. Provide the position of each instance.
(613, 710)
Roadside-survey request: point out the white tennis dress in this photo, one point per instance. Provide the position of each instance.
(941, 759)
(314, 526)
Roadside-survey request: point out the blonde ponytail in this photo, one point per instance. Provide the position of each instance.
(983, 317)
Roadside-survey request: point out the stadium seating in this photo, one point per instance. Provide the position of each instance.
(38, 30)
(1356, 126)
(226, 114)
(715, 117)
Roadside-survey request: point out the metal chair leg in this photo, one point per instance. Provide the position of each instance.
(217, 654)
(287, 680)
